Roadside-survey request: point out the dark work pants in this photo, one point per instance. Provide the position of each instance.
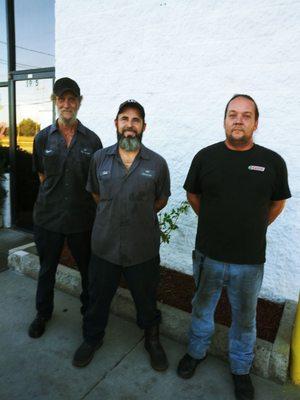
(49, 246)
(142, 280)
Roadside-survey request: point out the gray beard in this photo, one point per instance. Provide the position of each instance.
(67, 122)
(129, 143)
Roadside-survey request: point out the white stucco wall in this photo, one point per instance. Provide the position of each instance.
(183, 60)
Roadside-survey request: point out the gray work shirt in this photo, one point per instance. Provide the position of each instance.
(126, 230)
(63, 204)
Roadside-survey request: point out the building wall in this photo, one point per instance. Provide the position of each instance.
(183, 60)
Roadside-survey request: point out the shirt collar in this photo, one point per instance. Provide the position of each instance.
(80, 128)
(144, 152)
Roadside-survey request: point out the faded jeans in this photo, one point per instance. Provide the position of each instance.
(243, 282)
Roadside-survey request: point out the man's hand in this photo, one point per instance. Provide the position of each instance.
(194, 200)
(42, 177)
(96, 197)
(275, 209)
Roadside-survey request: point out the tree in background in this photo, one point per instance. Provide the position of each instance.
(27, 127)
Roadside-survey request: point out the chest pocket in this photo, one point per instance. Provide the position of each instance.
(52, 162)
(85, 155)
(106, 184)
(144, 187)
(261, 181)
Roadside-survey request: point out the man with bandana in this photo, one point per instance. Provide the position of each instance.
(64, 210)
(130, 184)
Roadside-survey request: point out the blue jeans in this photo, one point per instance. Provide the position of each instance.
(243, 282)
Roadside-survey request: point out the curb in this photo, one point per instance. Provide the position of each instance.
(271, 359)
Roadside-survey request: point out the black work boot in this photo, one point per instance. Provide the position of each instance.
(85, 353)
(158, 357)
(187, 366)
(37, 326)
(243, 387)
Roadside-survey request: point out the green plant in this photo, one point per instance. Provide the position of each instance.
(168, 221)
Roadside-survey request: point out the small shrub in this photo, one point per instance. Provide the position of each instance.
(168, 221)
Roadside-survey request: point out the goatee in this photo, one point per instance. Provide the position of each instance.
(242, 141)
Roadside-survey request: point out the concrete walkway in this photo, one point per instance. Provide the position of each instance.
(41, 368)
(10, 238)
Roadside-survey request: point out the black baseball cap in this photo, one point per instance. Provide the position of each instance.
(64, 84)
(134, 104)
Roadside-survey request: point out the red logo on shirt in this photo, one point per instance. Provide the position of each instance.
(256, 168)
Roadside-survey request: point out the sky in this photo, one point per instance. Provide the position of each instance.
(34, 28)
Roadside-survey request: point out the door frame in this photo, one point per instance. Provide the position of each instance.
(13, 77)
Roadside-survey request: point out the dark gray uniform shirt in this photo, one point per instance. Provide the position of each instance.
(126, 230)
(63, 204)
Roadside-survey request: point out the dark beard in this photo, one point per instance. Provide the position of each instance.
(237, 142)
(242, 141)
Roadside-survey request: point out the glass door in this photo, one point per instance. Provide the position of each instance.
(34, 111)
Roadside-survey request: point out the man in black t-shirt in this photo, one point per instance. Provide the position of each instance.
(237, 188)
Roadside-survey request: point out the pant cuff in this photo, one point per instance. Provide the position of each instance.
(197, 356)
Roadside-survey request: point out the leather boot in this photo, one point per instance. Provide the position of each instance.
(158, 357)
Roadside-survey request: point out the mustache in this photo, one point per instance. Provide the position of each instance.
(65, 109)
(129, 130)
(239, 127)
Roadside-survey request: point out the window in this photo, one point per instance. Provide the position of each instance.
(34, 29)
(3, 42)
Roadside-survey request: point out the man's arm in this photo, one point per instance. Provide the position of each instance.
(194, 200)
(160, 204)
(275, 209)
(96, 197)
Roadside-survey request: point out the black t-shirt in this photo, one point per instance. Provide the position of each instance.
(236, 188)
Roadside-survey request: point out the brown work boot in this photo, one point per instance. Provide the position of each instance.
(158, 357)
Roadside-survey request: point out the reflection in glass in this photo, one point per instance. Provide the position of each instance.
(4, 130)
(34, 26)
(4, 146)
(3, 43)
(34, 112)
(4, 133)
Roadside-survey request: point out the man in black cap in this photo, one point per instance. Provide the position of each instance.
(130, 184)
(63, 209)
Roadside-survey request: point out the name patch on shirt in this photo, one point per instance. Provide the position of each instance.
(48, 152)
(104, 173)
(256, 168)
(148, 172)
(87, 152)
